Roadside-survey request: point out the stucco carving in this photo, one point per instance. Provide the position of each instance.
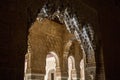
(49, 36)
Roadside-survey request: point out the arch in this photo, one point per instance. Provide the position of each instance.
(50, 66)
(54, 67)
(71, 68)
(56, 58)
(71, 58)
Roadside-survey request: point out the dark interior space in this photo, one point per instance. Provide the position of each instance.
(14, 31)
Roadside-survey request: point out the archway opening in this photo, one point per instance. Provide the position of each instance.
(51, 64)
(71, 68)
